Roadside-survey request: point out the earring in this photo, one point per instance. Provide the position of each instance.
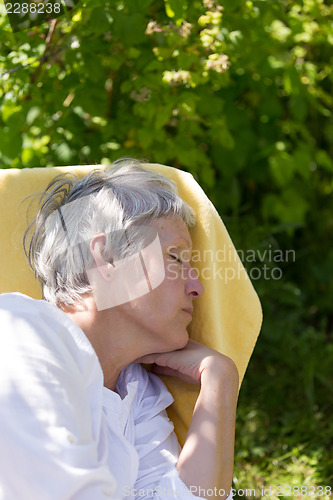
(110, 266)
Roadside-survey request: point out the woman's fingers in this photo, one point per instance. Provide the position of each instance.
(187, 364)
(165, 370)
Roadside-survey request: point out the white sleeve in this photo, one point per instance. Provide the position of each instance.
(48, 450)
(158, 447)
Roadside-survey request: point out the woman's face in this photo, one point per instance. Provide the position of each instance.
(162, 315)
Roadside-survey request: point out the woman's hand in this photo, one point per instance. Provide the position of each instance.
(189, 364)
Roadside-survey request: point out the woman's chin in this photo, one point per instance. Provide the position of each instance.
(182, 341)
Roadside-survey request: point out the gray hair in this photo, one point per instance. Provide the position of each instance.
(116, 201)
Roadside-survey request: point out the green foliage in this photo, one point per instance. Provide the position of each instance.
(239, 94)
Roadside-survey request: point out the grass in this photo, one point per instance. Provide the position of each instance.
(284, 431)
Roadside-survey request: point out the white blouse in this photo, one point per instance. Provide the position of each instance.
(63, 435)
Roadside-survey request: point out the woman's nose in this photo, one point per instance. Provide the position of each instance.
(193, 285)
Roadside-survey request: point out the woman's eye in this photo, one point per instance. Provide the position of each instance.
(175, 257)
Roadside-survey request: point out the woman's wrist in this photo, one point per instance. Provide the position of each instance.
(219, 367)
(219, 381)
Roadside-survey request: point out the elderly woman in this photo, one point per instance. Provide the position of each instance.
(80, 418)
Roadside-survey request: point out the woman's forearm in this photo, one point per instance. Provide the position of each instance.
(207, 458)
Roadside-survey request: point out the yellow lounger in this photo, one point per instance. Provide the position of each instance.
(227, 317)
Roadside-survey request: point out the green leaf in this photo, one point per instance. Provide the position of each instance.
(282, 168)
(63, 153)
(9, 108)
(175, 9)
(163, 116)
(298, 108)
(135, 6)
(130, 29)
(324, 160)
(32, 114)
(100, 20)
(10, 143)
(290, 206)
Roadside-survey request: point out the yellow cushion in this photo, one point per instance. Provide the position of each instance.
(227, 317)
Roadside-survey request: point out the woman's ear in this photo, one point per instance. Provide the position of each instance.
(97, 246)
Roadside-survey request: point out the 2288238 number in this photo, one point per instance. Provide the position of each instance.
(33, 8)
(307, 491)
